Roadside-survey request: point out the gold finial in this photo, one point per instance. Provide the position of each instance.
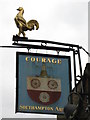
(22, 24)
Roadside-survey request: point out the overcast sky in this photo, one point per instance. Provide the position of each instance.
(59, 20)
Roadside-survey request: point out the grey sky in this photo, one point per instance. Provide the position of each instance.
(59, 21)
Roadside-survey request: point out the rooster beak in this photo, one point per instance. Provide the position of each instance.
(18, 9)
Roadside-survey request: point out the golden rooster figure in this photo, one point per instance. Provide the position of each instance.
(22, 24)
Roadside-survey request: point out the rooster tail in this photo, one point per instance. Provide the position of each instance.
(31, 24)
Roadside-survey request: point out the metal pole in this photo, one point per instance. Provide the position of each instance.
(80, 66)
(74, 70)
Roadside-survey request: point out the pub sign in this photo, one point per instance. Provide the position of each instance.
(43, 83)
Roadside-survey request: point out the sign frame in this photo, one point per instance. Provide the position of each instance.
(17, 77)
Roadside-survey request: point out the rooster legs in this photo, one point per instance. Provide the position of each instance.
(21, 31)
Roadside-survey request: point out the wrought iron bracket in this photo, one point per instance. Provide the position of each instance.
(24, 42)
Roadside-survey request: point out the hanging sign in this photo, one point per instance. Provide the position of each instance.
(43, 83)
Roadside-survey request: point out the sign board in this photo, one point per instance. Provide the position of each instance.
(43, 83)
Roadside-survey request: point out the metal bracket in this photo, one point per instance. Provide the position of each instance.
(43, 44)
(28, 49)
(76, 51)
